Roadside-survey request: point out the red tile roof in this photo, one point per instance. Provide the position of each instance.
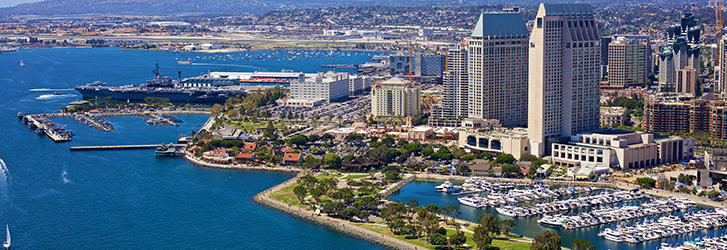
(294, 157)
(244, 156)
(287, 150)
(249, 146)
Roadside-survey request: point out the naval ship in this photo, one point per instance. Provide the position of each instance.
(162, 87)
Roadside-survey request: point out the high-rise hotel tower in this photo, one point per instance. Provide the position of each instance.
(565, 54)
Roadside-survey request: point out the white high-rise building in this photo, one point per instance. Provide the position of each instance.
(564, 70)
(498, 69)
(453, 107)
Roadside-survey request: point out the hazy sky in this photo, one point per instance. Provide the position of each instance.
(7, 3)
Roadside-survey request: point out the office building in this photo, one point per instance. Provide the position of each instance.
(422, 64)
(564, 74)
(324, 87)
(629, 62)
(720, 87)
(498, 69)
(395, 97)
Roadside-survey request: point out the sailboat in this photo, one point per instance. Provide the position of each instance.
(22, 64)
(6, 244)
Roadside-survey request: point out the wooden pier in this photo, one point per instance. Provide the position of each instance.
(120, 147)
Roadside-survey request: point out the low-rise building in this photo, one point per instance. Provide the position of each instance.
(614, 116)
(358, 84)
(496, 140)
(621, 149)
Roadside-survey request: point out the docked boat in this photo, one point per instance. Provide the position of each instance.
(184, 62)
(447, 187)
(471, 201)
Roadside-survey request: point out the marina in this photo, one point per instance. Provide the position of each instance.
(719, 242)
(667, 226)
(616, 214)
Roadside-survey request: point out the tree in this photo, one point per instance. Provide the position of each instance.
(504, 158)
(580, 244)
(216, 109)
(547, 240)
(490, 222)
(510, 170)
(298, 140)
(300, 192)
(463, 169)
(427, 151)
(528, 157)
(438, 239)
(646, 182)
(686, 179)
(457, 239)
(442, 153)
(481, 237)
(665, 184)
(332, 160)
(307, 181)
(507, 225)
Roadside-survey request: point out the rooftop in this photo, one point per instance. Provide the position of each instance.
(500, 24)
(559, 9)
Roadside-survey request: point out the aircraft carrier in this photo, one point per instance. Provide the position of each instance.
(162, 87)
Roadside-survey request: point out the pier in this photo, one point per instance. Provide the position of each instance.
(120, 147)
(50, 130)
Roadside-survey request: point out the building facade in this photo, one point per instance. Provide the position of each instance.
(614, 116)
(422, 64)
(564, 73)
(395, 97)
(498, 69)
(621, 149)
(707, 114)
(686, 81)
(453, 107)
(358, 84)
(629, 62)
(497, 140)
(323, 86)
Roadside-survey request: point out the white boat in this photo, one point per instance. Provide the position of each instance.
(447, 187)
(506, 210)
(471, 201)
(550, 221)
(22, 64)
(6, 244)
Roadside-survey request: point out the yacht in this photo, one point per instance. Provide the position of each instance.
(471, 201)
(6, 244)
(447, 187)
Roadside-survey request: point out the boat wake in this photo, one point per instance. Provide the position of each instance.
(49, 90)
(4, 175)
(64, 176)
(53, 97)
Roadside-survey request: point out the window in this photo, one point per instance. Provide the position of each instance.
(540, 22)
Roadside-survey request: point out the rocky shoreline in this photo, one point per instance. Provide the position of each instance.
(202, 163)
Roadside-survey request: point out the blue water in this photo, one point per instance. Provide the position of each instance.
(423, 191)
(53, 198)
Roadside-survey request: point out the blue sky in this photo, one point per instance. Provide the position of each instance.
(7, 3)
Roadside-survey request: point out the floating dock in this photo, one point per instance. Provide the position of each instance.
(121, 147)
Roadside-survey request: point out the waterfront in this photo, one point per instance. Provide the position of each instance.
(423, 191)
(54, 198)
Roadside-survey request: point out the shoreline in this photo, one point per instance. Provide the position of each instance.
(342, 226)
(201, 163)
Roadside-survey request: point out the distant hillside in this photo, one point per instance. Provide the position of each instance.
(173, 7)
